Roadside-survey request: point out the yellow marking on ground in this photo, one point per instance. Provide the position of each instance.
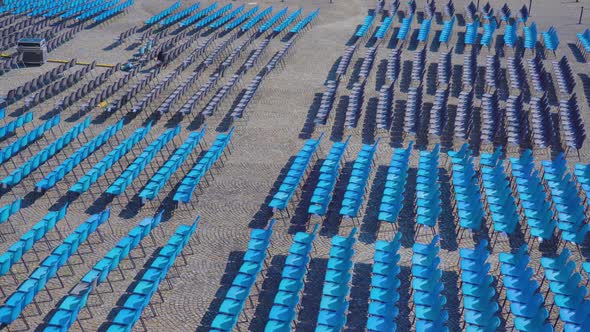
(79, 63)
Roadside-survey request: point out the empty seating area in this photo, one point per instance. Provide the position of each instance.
(224, 166)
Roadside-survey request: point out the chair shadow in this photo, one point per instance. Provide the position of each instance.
(431, 73)
(300, 218)
(356, 70)
(358, 309)
(423, 124)
(368, 131)
(577, 53)
(232, 267)
(446, 223)
(407, 216)
(337, 133)
(406, 76)
(451, 290)
(332, 220)
(381, 74)
(128, 292)
(264, 214)
(312, 294)
(404, 322)
(268, 290)
(447, 138)
(397, 123)
(370, 226)
(309, 125)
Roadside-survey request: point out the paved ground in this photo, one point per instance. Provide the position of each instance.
(236, 198)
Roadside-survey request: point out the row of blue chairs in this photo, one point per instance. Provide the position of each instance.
(282, 313)
(226, 18)
(9, 210)
(488, 33)
(58, 173)
(23, 141)
(490, 114)
(357, 183)
(572, 125)
(138, 165)
(571, 214)
(198, 15)
(471, 32)
(70, 305)
(329, 173)
(139, 297)
(187, 186)
(428, 189)
(530, 36)
(178, 16)
(427, 286)
(298, 169)
(38, 8)
(542, 123)
(385, 25)
(404, 29)
(304, 22)
(286, 22)
(93, 11)
(26, 242)
(424, 30)
(395, 185)
(568, 293)
(15, 303)
(499, 198)
(522, 290)
(256, 19)
(24, 6)
(108, 161)
(510, 37)
(533, 198)
(564, 76)
(582, 174)
(366, 26)
(490, 99)
(273, 19)
(584, 39)
(157, 182)
(477, 289)
(242, 18)
(385, 284)
(8, 6)
(83, 7)
(50, 7)
(11, 127)
(159, 16)
(447, 31)
(439, 109)
(463, 118)
(550, 39)
(469, 207)
(252, 264)
(16, 176)
(336, 289)
(210, 18)
(67, 6)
